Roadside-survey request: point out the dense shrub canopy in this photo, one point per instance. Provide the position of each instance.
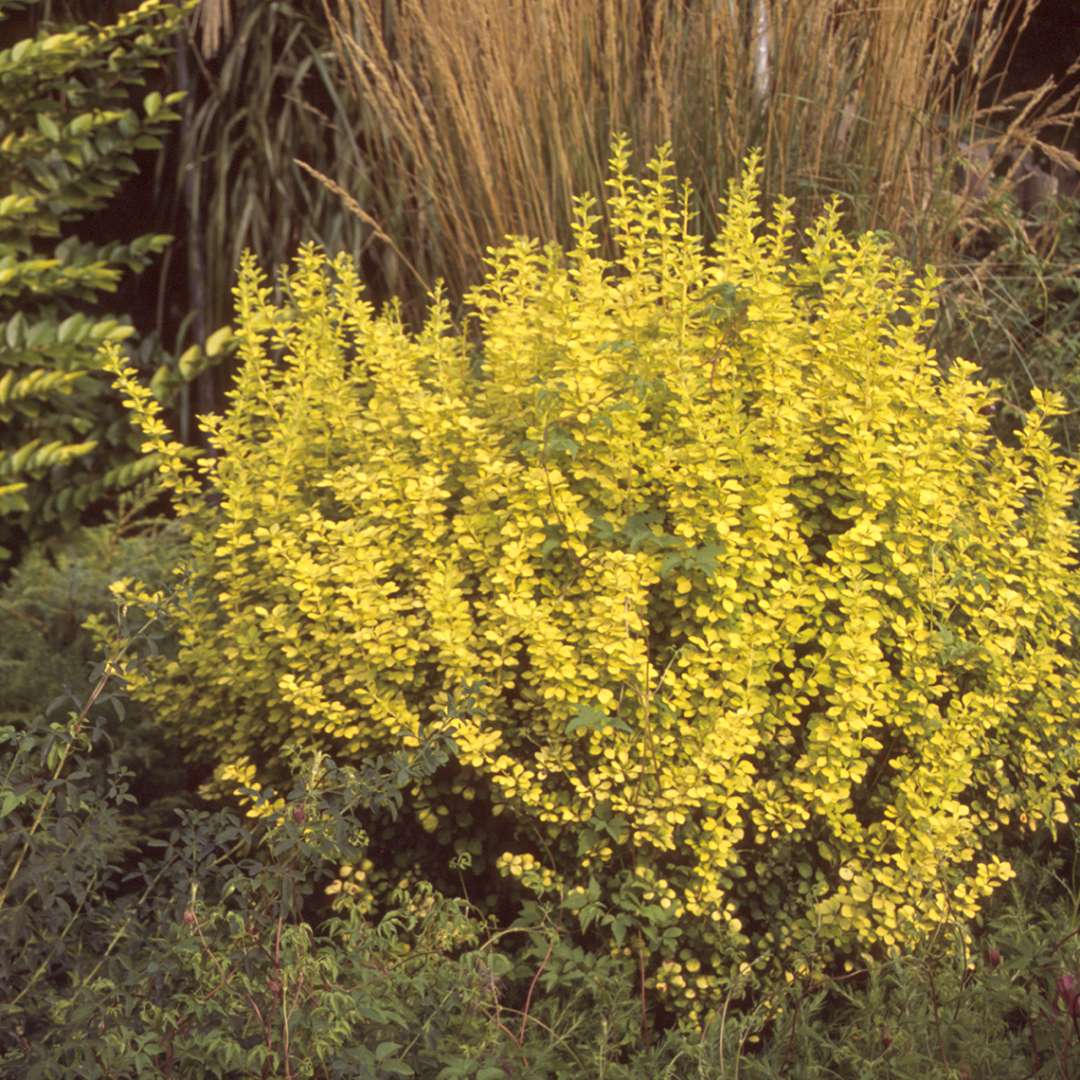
(68, 140)
(745, 621)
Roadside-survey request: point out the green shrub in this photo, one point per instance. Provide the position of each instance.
(44, 649)
(207, 953)
(1005, 1009)
(198, 961)
(762, 635)
(67, 140)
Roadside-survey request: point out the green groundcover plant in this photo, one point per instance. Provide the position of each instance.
(762, 635)
(205, 952)
(207, 948)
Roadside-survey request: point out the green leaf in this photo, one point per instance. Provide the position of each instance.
(556, 537)
(41, 333)
(48, 127)
(561, 442)
(128, 124)
(81, 124)
(671, 561)
(594, 719)
(500, 965)
(152, 104)
(638, 528)
(385, 1050)
(72, 328)
(15, 333)
(705, 557)
(603, 529)
(191, 362)
(575, 901)
(587, 717)
(11, 801)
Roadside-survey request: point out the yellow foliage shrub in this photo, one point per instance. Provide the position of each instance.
(758, 627)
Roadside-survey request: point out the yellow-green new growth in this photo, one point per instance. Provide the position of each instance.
(759, 624)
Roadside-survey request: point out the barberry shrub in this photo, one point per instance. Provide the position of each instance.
(762, 635)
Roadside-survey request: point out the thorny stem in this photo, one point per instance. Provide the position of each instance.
(932, 985)
(532, 987)
(789, 1050)
(284, 1011)
(1057, 944)
(226, 978)
(644, 1000)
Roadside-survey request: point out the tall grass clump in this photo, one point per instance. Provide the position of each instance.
(264, 87)
(1015, 306)
(481, 118)
(445, 125)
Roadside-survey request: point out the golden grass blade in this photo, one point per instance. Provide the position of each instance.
(355, 208)
(214, 18)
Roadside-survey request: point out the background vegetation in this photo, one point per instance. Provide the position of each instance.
(426, 131)
(68, 138)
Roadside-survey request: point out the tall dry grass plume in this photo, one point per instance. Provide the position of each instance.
(480, 118)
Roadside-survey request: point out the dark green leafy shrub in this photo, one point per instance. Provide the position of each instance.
(198, 959)
(63, 837)
(197, 956)
(68, 133)
(44, 649)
